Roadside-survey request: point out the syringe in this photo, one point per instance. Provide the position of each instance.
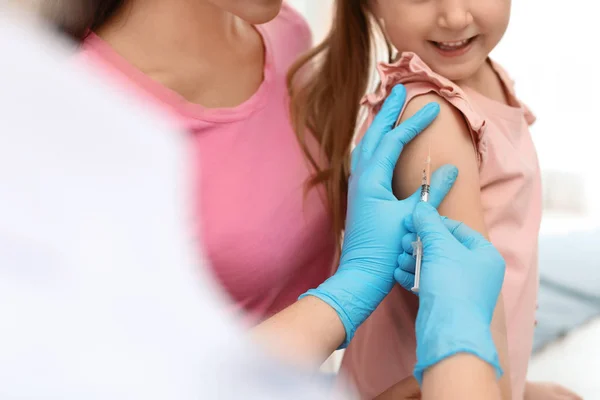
(418, 245)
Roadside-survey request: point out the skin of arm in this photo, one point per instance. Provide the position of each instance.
(463, 377)
(304, 334)
(450, 142)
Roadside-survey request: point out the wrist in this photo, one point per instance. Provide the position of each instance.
(337, 292)
(353, 294)
(346, 321)
(446, 328)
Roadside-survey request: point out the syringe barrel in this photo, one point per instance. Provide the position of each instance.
(418, 254)
(425, 193)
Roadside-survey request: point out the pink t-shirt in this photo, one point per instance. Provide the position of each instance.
(383, 350)
(266, 241)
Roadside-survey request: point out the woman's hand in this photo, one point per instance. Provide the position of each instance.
(548, 391)
(374, 228)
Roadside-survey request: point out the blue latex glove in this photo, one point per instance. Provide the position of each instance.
(461, 278)
(374, 228)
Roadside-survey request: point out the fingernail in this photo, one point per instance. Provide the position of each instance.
(430, 110)
(453, 173)
(423, 207)
(433, 107)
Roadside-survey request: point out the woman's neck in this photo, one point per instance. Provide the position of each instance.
(185, 45)
(171, 28)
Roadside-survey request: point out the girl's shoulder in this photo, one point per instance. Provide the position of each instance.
(420, 81)
(509, 87)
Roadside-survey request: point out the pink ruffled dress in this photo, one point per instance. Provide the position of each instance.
(383, 351)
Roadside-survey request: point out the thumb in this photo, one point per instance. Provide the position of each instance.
(389, 149)
(468, 237)
(441, 182)
(427, 222)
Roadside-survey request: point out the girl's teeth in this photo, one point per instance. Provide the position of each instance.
(454, 44)
(448, 46)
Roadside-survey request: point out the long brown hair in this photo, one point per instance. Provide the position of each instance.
(76, 18)
(327, 104)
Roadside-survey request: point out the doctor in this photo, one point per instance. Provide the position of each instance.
(101, 292)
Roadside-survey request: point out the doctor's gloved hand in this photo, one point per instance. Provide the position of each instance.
(374, 219)
(461, 278)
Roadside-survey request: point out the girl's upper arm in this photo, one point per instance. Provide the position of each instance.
(450, 141)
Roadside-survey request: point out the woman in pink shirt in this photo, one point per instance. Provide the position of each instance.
(222, 79)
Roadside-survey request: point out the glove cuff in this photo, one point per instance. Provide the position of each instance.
(349, 326)
(354, 294)
(350, 294)
(451, 327)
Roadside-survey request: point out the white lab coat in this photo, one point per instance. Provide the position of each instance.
(102, 292)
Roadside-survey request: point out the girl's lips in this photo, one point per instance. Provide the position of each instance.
(455, 48)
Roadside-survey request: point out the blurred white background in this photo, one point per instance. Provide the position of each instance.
(549, 50)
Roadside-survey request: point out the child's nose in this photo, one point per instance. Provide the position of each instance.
(455, 15)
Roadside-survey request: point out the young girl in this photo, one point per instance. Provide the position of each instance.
(443, 51)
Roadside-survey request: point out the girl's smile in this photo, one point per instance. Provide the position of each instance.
(454, 48)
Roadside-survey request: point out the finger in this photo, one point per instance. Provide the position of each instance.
(407, 263)
(384, 122)
(354, 156)
(407, 242)
(409, 224)
(387, 153)
(452, 225)
(466, 236)
(404, 279)
(428, 223)
(442, 181)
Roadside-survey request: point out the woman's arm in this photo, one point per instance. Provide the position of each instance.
(450, 142)
(305, 333)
